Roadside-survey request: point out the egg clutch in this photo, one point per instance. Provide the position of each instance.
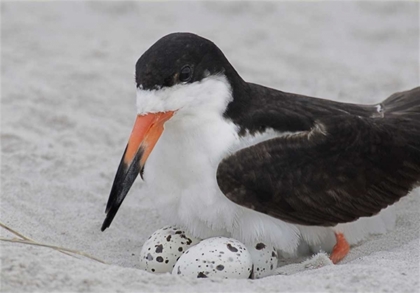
(173, 250)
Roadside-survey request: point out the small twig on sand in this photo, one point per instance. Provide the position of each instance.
(26, 240)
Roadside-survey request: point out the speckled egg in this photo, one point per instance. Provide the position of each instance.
(217, 257)
(264, 258)
(163, 248)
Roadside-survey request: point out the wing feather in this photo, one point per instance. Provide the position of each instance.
(344, 168)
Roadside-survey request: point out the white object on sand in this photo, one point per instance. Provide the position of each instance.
(163, 248)
(264, 259)
(217, 257)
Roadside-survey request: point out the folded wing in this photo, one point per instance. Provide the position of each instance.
(344, 168)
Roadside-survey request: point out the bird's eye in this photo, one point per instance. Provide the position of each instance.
(185, 74)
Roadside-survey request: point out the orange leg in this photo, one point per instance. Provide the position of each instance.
(341, 248)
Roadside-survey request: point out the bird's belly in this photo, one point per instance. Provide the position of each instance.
(196, 203)
(204, 218)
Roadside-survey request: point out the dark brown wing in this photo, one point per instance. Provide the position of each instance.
(346, 167)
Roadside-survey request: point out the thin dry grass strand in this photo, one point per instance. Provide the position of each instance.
(26, 240)
(25, 237)
(15, 232)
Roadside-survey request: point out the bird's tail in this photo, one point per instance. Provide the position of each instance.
(402, 112)
(405, 104)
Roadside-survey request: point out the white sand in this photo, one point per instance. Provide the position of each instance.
(68, 104)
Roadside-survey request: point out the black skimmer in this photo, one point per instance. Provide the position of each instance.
(229, 157)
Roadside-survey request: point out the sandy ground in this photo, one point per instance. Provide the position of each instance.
(68, 104)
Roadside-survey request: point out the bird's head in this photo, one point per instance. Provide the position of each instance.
(180, 76)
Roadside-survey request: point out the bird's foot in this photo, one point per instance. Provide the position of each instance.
(341, 248)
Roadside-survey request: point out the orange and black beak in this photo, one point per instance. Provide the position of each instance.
(146, 132)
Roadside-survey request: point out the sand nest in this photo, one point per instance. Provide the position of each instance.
(68, 104)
